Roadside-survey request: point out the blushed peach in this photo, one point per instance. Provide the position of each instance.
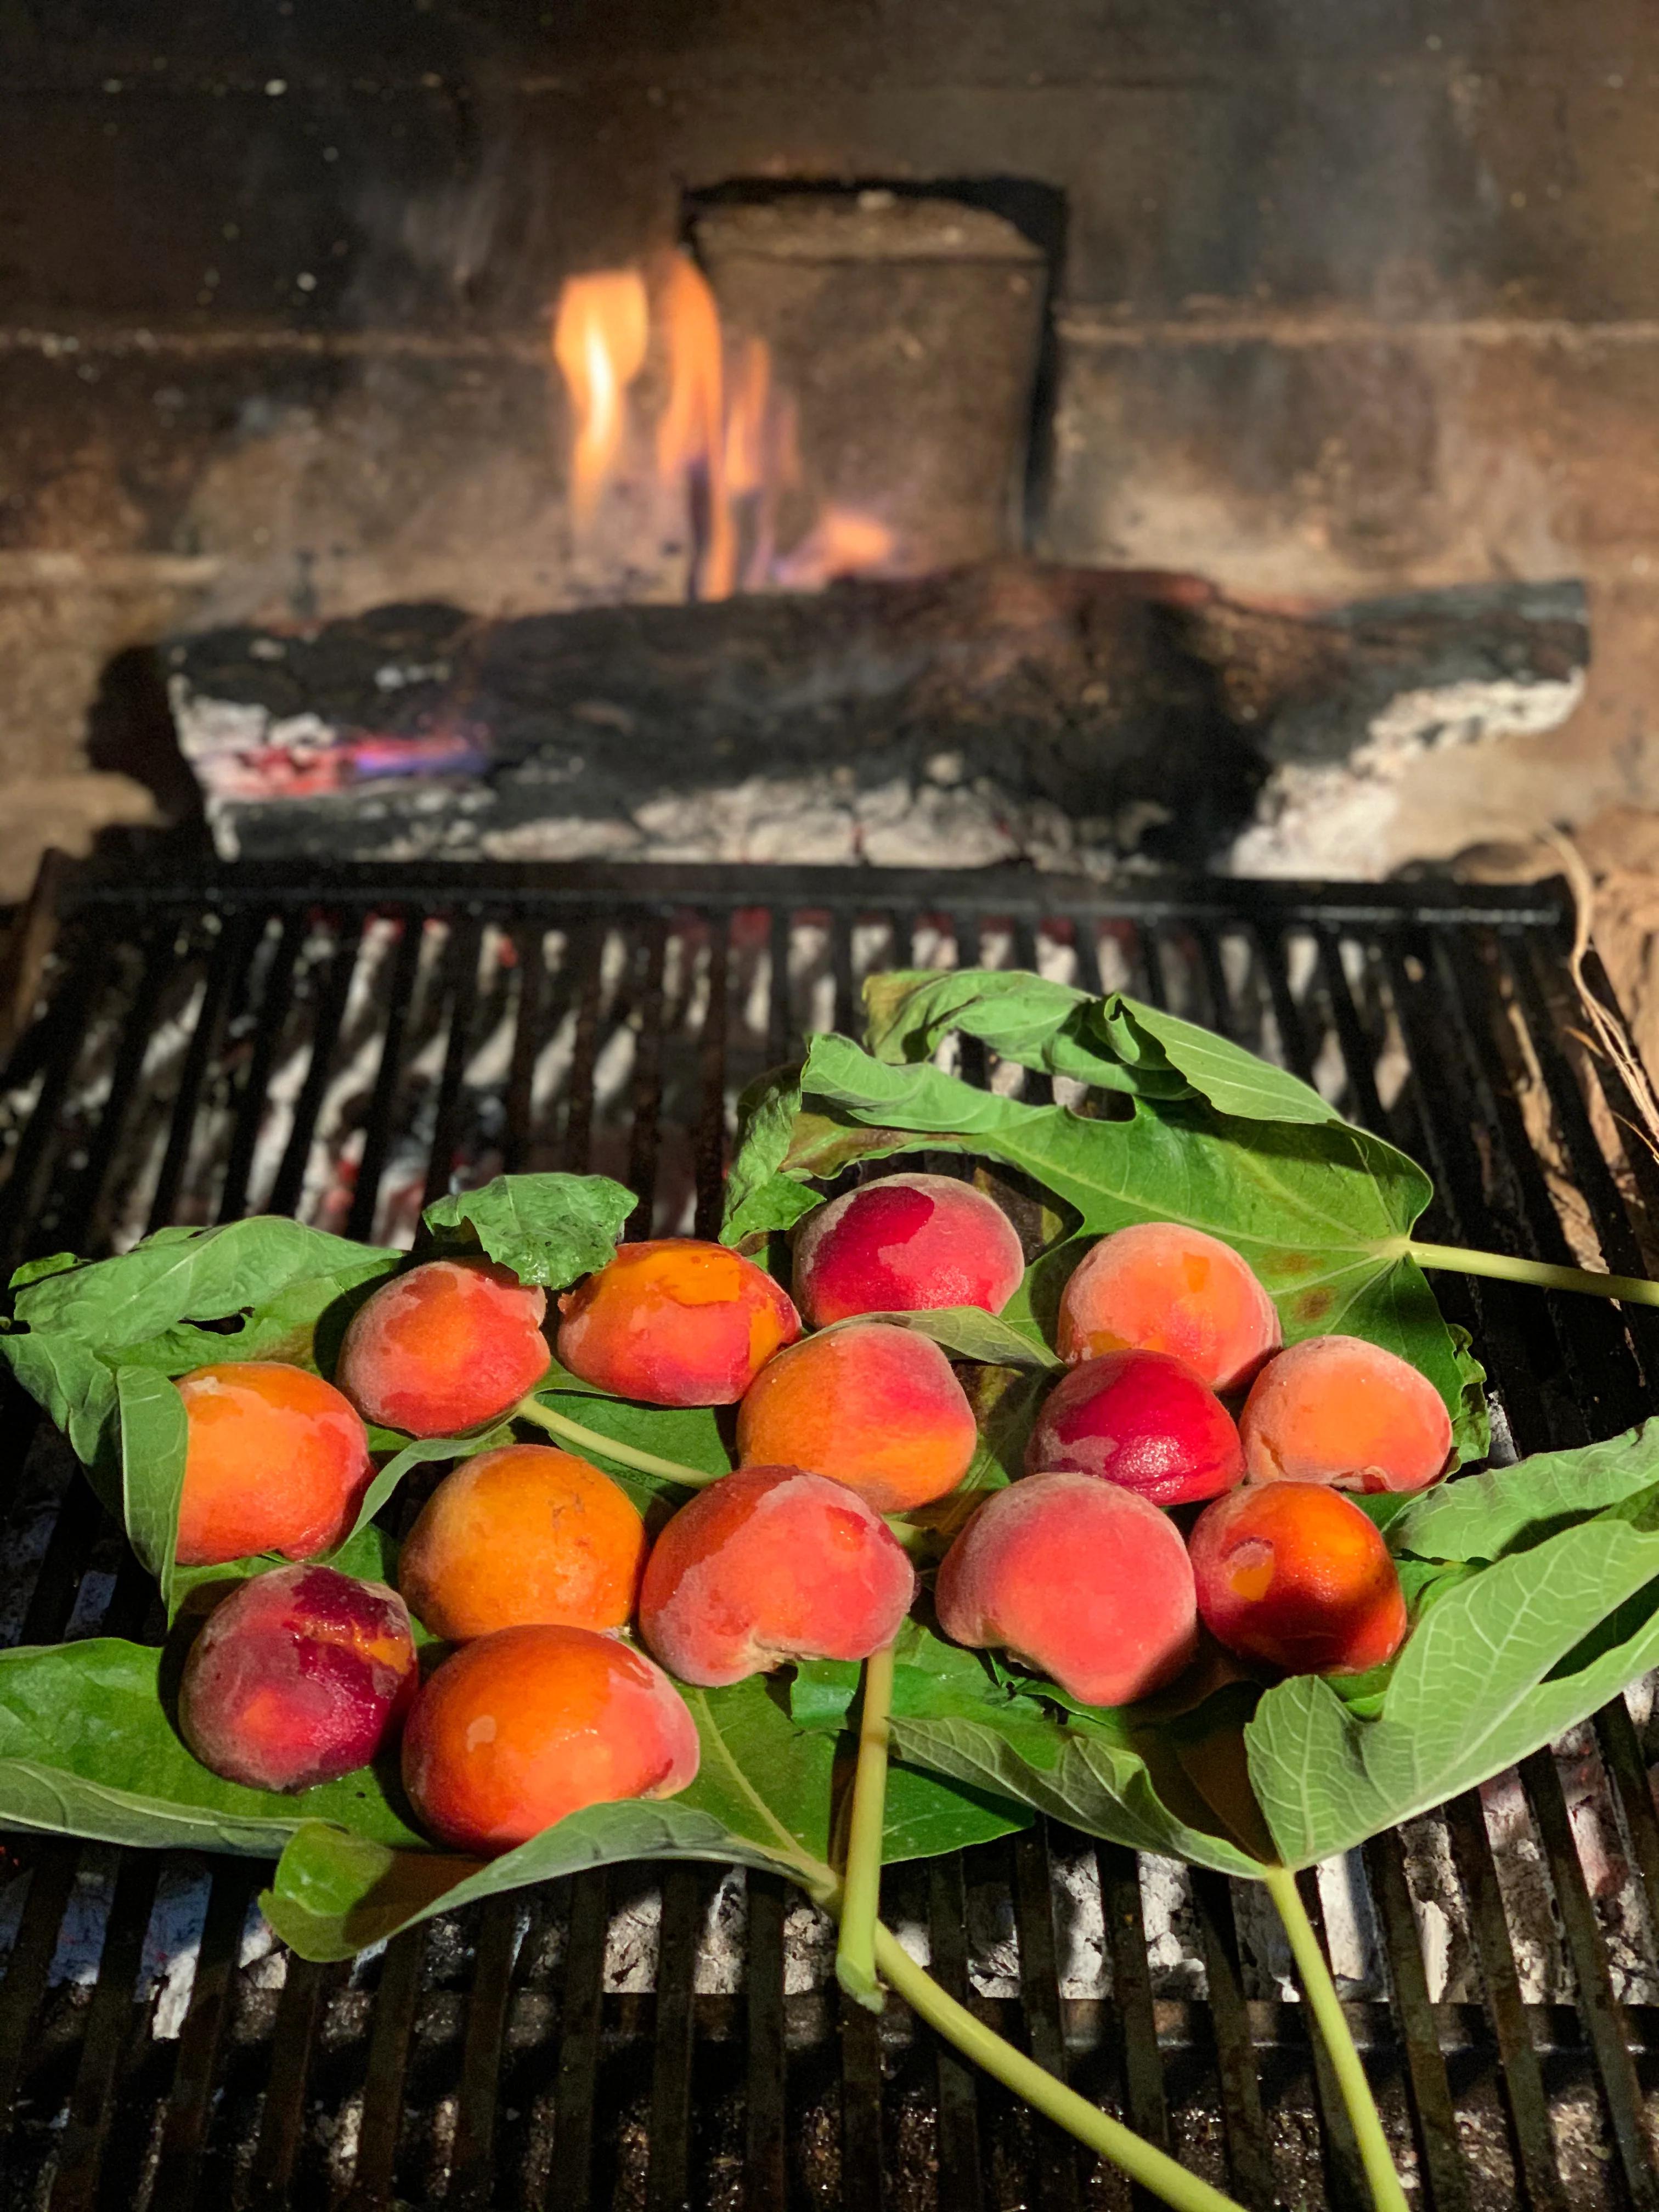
(1141, 1419)
(904, 1244)
(1337, 1409)
(675, 1322)
(518, 1729)
(521, 1535)
(1294, 1575)
(1158, 1287)
(767, 1564)
(1080, 1579)
(445, 1345)
(297, 1678)
(276, 1460)
(873, 1405)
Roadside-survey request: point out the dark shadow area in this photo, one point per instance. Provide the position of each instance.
(129, 733)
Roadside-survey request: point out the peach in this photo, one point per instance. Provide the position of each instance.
(1158, 1287)
(522, 1535)
(767, 1564)
(676, 1322)
(276, 1460)
(1337, 1409)
(1294, 1575)
(873, 1404)
(1078, 1578)
(443, 1347)
(1141, 1419)
(904, 1244)
(527, 1725)
(297, 1678)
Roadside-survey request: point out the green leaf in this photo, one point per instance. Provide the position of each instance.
(1321, 1212)
(75, 1327)
(690, 1435)
(548, 1228)
(155, 1437)
(759, 1197)
(1506, 1510)
(763, 1796)
(87, 1748)
(968, 1332)
(1115, 1043)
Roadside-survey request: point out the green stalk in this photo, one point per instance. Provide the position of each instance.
(590, 1440)
(1543, 1274)
(1105, 2136)
(1332, 2022)
(855, 1953)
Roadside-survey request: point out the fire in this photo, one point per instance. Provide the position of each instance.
(599, 338)
(728, 434)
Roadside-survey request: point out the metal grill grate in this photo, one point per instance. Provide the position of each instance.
(343, 1048)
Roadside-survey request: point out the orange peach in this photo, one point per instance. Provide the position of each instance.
(675, 1322)
(1078, 1577)
(445, 1345)
(527, 1725)
(297, 1678)
(1337, 1409)
(1294, 1575)
(767, 1564)
(903, 1245)
(522, 1535)
(1158, 1287)
(873, 1405)
(276, 1460)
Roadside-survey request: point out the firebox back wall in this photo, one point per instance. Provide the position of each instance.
(1351, 297)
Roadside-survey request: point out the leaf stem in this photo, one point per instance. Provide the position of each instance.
(1633, 1290)
(855, 1959)
(1106, 2137)
(560, 1425)
(1332, 2022)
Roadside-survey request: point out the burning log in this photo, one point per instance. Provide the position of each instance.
(1009, 711)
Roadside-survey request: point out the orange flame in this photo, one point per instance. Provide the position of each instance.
(599, 336)
(730, 436)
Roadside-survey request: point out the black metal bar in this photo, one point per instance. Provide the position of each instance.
(256, 1078)
(383, 2112)
(109, 2023)
(766, 2127)
(226, 968)
(668, 2177)
(863, 2159)
(1344, 2176)
(1441, 2163)
(51, 1880)
(644, 1138)
(460, 994)
(202, 2036)
(20, 1201)
(710, 1140)
(1598, 2007)
(587, 959)
(961, 2180)
(528, 943)
(81, 1208)
(576, 2091)
(780, 1021)
(1522, 2080)
(1045, 2025)
(377, 1126)
(288, 1185)
(1249, 2156)
(472, 2159)
(283, 2111)
(1132, 1996)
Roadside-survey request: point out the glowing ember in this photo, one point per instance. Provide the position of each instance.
(727, 435)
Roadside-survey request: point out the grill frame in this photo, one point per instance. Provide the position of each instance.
(1566, 1369)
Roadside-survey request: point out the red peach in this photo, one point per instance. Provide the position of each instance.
(675, 1322)
(1141, 1419)
(528, 1534)
(873, 1405)
(1081, 1579)
(527, 1725)
(276, 1460)
(904, 1244)
(297, 1678)
(445, 1345)
(767, 1564)
(1294, 1575)
(1338, 1409)
(1158, 1287)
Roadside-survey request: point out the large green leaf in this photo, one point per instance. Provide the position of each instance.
(1322, 1211)
(763, 1796)
(273, 1278)
(1498, 1665)
(548, 1228)
(87, 1748)
(1115, 1043)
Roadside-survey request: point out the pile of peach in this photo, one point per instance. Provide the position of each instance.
(534, 1567)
